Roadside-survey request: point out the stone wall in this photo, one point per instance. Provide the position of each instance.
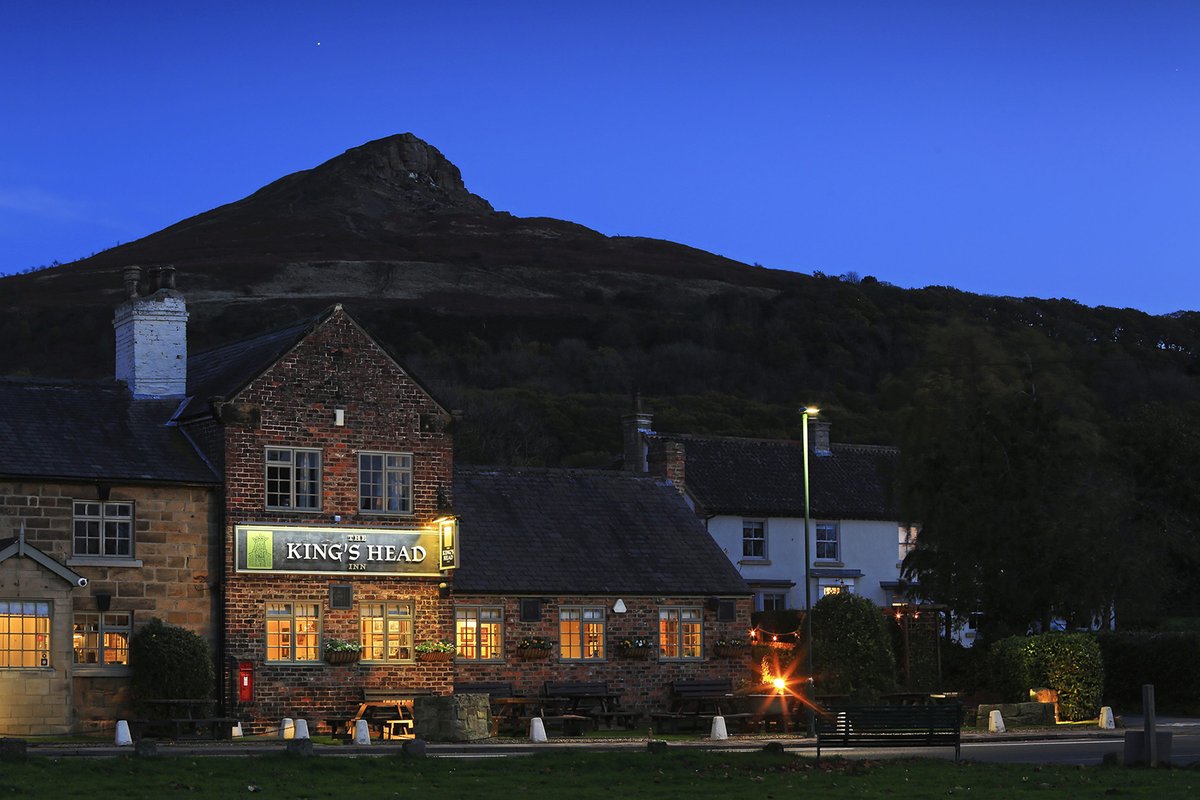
(458, 718)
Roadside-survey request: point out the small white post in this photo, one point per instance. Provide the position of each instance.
(301, 729)
(287, 729)
(362, 732)
(237, 729)
(995, 722)
(537, 730)
(123, 737)
(718, 733)
(1106, 718)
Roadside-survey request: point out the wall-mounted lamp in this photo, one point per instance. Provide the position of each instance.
(339, 417)
(443, 590)
(619, 606)
(103, 601)
(337, 517)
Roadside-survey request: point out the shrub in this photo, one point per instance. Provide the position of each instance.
(852, 648)
(1069, 663)
(170, 663)
(1166, 660)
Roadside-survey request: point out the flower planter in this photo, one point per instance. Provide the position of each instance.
(634, 652)
(532, 653)
(729, 651)
(437, 656)
(340, 657)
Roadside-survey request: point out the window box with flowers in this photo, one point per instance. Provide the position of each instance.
(532, 648)
(635, 647)
(341, 651)
(435, 651)
(730, 648)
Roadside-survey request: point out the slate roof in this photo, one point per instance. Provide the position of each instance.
(226, 370)
(551, 531)
(92, 432)
(764, 477)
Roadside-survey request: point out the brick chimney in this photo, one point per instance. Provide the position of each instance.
(818, 437)
(151, 331)
(635, 426)
(667, 459)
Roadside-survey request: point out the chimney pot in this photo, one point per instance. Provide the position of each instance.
(132, 277)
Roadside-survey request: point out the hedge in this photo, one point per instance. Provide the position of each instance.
(1166, 660)
(1069, 663)
(170, 663)
(852, 648)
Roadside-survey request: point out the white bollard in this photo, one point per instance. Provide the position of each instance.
(237, 729)
(123, 737)
(301, 729)
(362, 732)
(287, 729)
(718, 734)
(537, 730)
(995, 722)
(1106, 718)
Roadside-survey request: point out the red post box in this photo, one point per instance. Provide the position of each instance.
(245, 681)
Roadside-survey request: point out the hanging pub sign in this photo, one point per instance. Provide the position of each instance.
(288, 549)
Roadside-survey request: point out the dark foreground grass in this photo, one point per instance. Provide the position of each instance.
(678, 773)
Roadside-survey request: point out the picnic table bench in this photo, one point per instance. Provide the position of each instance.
(593, 701)
(388, 711)
(182, 719)
(929, 725)
(697, 702)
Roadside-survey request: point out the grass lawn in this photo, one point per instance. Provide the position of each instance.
(678, 773)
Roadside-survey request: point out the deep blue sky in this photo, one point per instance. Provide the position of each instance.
(1047, 149)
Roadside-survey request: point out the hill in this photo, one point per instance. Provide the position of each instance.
(540, 329)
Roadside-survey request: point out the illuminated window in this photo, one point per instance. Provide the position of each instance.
(479, 633)
(293, 478)
(102, 639)
(293, 632)
(103, 529)
(827, 541)
(679, 632)
(24, 634)
(385, 483)
(386, 631)
(907, 540)
(832, 589)
(581, 633)
(754, 538)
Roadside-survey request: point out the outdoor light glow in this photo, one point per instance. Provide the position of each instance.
(780, 684)
(812, 411)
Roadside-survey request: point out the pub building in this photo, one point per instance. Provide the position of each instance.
(301, 489)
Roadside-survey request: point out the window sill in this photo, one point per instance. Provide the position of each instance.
(287, 510)
(755, 562)
(383, 662)
(373, 514)
(99, 671)
(829, 562)
(103, 561)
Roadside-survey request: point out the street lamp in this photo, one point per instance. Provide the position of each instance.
(805, 413)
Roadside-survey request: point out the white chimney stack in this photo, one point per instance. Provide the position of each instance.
(151, 334)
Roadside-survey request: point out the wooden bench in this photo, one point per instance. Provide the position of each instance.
(389, 711)
(697, 702)
(891, 726)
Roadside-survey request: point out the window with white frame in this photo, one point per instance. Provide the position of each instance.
(293, 478)
(907, 540)
(754, 539)
(386, 631)
(24, 634)
(772, 601)
(827, 541)
(581, 633)
(680, 633)
(385, 483)
(102, 529)
(102, 640)
(293, 631)
(479, 632)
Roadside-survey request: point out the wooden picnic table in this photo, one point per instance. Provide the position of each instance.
(185, 718)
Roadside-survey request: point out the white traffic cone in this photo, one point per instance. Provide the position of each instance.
(362, 732)
(537, 730)
(301, 729)
(995, 722)
(1106, 718)
(718, 734)
(287, 729)
(123, 737)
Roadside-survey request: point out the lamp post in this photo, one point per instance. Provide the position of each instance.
(810, 691)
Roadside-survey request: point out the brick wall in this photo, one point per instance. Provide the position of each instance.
(641, 683)
(292, 405)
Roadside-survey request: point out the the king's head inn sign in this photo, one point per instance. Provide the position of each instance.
(286, 549)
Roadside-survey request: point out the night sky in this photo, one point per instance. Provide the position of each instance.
(1046, 149)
